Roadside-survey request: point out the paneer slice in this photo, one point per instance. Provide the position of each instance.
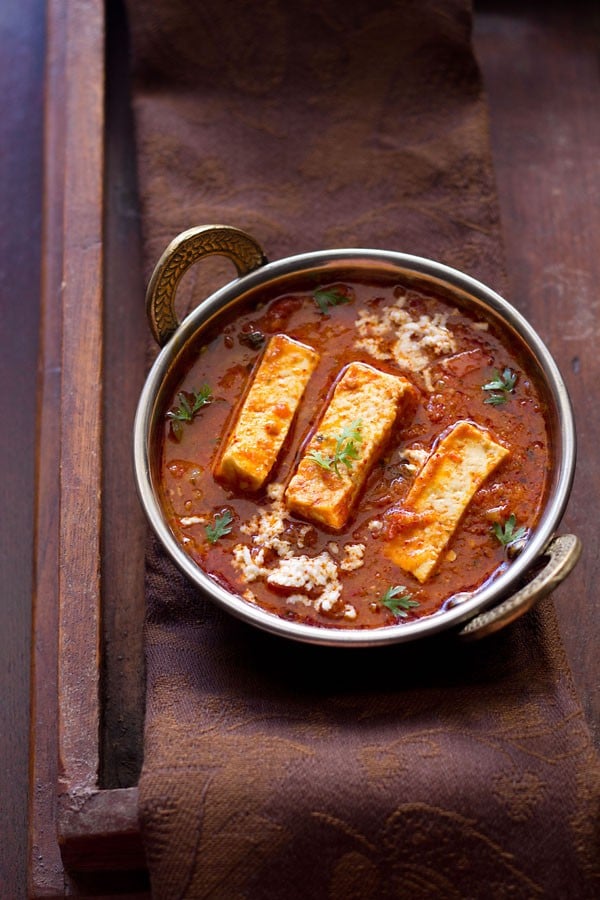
(440, 495)
(370, 401)
(266, 414)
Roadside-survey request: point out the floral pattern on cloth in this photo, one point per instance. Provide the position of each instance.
(288, 770)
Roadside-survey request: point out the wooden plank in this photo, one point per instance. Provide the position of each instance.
(124, 524)
(81, 399)
(76, 826)
(45, 873)
(66, 594)
(540, 71)
(102, 832)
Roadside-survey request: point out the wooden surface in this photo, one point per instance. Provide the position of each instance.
(80, 519)
(78, 824)
(124, 528)
(540, 67)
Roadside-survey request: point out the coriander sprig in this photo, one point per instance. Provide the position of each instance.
(190, 404)
(501, 386)
(399, 601)
(221, 527)
(345, 451)
(506, 533)
(327, 297)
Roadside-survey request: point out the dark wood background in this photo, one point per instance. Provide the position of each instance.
(22, 41)
(540, 63)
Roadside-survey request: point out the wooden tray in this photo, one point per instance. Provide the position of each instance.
(87, 689)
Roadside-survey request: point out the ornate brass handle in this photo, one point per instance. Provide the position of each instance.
(183, 251)
(563, 553)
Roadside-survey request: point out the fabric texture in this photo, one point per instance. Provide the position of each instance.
(276, 770)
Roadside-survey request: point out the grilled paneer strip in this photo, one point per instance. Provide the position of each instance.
(265, 416)
(367, 402)
(439, 496)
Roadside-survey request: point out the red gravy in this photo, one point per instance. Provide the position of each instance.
(450, 353)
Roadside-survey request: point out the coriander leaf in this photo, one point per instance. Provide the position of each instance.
(176, 429)
(221, 527)
(495, 399)
(510, 379)
(345, 451)
(330, 297)
(185, 410)
(501, 386)
(201, 398)
(398, 600)
(506, 533)
(190, 404)
(324, 461)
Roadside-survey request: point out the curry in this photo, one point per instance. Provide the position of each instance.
(354, 452)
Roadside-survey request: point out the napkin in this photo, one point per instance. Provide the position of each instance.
(280, 770)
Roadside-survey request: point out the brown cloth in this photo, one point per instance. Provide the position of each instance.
(277, 770)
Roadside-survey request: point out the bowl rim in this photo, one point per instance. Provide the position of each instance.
(483, 598)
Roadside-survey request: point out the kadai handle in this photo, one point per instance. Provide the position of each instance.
(185, 250)
(562, 554)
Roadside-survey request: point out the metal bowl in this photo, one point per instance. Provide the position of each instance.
(494, 605)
